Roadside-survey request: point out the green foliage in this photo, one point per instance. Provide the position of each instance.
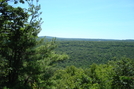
(84, 53)
(70, 78)
(31, 63)
(24, 61)
(124, 73)
(103, 76)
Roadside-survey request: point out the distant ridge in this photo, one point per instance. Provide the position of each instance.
(81, 39)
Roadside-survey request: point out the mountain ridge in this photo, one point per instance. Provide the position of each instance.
(82, 39)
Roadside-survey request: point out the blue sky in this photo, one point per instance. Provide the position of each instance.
(107, 19)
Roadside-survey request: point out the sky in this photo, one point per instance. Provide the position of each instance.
(103, 19)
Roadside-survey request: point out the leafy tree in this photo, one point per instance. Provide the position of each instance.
(112, 75)
(23, 62)
(124, 73)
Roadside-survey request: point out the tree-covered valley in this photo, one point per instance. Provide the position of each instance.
(84, 53)
(31, 62)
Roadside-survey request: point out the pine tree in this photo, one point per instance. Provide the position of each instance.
(23, 61)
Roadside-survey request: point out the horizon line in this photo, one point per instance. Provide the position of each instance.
(84, 38)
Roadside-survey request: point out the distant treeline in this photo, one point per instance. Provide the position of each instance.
(82, 39)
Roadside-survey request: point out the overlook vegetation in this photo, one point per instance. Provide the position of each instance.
(29, 62)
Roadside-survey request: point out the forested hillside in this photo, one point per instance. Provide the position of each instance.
(84, 53)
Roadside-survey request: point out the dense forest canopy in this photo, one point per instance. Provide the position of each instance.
(84, 53)
(29, 62)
